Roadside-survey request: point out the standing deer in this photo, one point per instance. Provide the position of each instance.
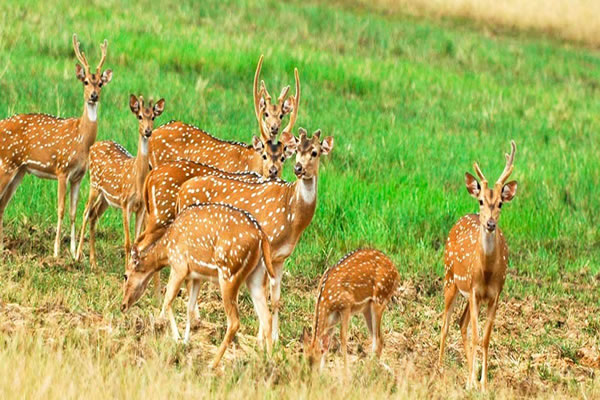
(476, 259)
(363, 281)
(177, 140)
(283, 209)
(52, 147)
(210, 242)
(117, 178)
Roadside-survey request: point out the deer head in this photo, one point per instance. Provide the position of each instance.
(308, 153)
(274, 154)
(137, 275)
(274, 112)
(92, 81)
(146, 114)
(314, 347)
(491, 200)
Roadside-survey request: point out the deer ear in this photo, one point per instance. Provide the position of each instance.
(473, 186)
(79, 72)
(290, 144)
(262, 103)
(159, 107)
(107, 76)
(257, 144)
(509, 191)
(327, 145)
(134, 104)
(288, 105)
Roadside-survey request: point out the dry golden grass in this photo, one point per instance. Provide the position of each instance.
(574, 20)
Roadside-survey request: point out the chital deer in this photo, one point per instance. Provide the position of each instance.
(284, 210)
(207, 242)
(117, 178)
(52, 147)
(363, 281)
(177, 140)
(476, 259)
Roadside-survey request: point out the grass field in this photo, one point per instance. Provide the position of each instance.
(411, 104)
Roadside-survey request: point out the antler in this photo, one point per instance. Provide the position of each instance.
(296, 102)
(263, 89)
(141, 100)
(509, 164)
(256, 92)
(284, 93)
(479, 173)
(261, 126)
(80, 55)
(103, 47)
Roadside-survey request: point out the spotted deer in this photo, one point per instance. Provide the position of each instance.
(283, 209)
(476, 259)
(117, 178)
(215, 242)
(51, 147)
(177, 140)
(363, 281)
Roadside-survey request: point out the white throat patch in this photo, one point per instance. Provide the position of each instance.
(92, 111)
(144, 148)
(308, 190)
(488, 241)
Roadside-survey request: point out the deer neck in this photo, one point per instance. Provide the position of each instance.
(489, 247)
(155, 257)
(88, 125)
(141, 166)
(304, 201)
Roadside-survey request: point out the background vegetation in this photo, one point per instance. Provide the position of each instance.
(411, 102)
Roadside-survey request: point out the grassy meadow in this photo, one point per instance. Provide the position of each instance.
(412, 102)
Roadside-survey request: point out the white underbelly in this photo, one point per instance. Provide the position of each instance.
(40, 174)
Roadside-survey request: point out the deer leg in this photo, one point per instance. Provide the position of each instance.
(259, 300)
(93, 196)
(139, 222)
(345, 322)
(275, 296)
(193, 298)
(97, 211)
(229, 291)
(491, 316)
(62, 192)
(473, 307)
(73, 200)
(449, 302)
(378, 310)
(368, 319)
(175, 280)
(8, 184)
(126, 216)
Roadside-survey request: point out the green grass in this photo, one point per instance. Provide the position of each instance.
(411, 105)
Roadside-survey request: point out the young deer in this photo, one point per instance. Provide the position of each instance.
(363, 281)
(476, 259)
(52, 147)
(117, 178)
(177, 140)
(210, 242)
(283, 209)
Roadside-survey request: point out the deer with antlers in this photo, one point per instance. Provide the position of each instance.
(215, 242)
(177, 140)
(117, 178)
(363, 281)
(52, 147)
(476, 260)
(283, 209)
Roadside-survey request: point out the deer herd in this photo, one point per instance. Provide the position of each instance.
(217, 210)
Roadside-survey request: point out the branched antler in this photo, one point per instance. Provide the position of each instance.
(296, 101)
(80, 55)
(103, 47)
(509, 164)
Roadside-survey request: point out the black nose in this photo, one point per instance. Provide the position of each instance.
(94, 96)
(491, 225)
(273, 171)
(274, 129)
(148, 132)
(298, 168)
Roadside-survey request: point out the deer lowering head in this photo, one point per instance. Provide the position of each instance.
(92, 80)
(476, 261)
(271, 118)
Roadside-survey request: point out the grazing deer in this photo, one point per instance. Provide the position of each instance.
(177, 140)
(476, 259)
(52, 147)
(283, 209)
(362, 281)
(117, 178)
(210, 242)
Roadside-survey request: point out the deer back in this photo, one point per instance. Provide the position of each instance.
(176, 140)
(111, 171)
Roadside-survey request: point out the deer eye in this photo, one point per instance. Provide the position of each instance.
(314, 153)
(140, 117)
(264, 156)
(86, 82)
(281, 116)
(480, 202)
(500, 205)
(282, 158)
(153, 118)
(100, 84)
(266, 115)
(125, 277)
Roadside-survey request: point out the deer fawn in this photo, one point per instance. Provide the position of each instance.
(117, 178)
(476, 259)
(362, 281)
(177, 140)
(211, 242)
(52, 147)
(284, 210)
